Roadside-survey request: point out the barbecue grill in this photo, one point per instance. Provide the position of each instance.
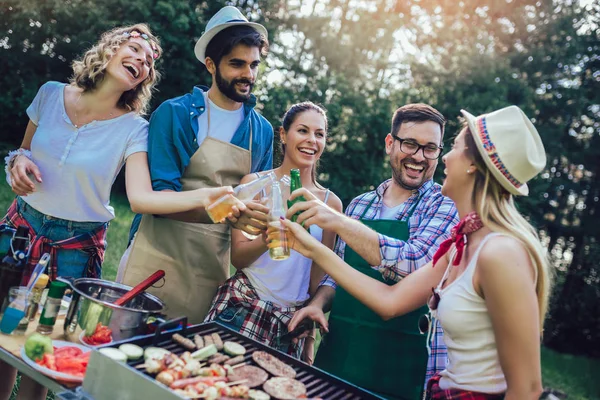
(108, 379)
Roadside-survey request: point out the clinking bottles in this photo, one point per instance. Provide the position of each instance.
(12, 265)
(219, 210)
(295, 183)
(279, 249)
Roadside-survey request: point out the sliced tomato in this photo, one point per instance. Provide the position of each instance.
(68, 351)
(64, 363)
(74, 372)
(49, 361)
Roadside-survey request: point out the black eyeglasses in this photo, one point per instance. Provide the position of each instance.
(409, 146)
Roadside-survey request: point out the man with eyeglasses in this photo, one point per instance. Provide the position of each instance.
(387, 234)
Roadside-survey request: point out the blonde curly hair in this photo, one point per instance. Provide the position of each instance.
(89, 70)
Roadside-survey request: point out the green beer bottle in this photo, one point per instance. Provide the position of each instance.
(295, 184)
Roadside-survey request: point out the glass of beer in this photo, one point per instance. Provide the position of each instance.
(220, 209)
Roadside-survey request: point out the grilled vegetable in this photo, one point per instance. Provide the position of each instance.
(234, 349)
(115, 354)
(258, 395)
(132, 351)
(205, 352)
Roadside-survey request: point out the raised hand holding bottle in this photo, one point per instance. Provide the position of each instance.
(220, 209)
(295, 184)
(278, 248)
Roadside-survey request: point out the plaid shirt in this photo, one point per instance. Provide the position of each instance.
(430, 225)
(434, 392)
(265, 321)
(93, 243)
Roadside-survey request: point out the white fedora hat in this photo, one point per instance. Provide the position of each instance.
(224, 18)
(510, 146)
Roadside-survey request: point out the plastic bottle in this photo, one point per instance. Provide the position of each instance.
(280, 251)
(51, 307)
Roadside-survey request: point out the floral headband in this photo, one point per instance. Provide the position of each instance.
(136, 34)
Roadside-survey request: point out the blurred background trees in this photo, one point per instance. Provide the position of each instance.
(362, 60)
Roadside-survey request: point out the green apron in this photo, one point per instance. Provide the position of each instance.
(386, 357)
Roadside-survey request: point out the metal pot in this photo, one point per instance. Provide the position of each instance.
(92, 304)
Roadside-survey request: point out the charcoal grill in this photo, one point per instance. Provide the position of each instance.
(319, 384)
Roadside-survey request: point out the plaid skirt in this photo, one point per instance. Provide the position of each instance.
(264, 321)
(434, 392)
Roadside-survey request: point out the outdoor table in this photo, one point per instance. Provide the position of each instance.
(10, 352)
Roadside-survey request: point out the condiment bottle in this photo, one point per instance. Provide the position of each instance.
(36, 292)
(51, 307)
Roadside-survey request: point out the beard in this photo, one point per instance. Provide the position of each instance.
(405, 182)
(228, 87)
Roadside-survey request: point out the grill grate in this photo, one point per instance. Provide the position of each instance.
(319, 384)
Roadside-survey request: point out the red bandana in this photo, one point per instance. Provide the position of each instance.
(468, 224)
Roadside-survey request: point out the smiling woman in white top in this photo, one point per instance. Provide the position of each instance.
(490, 281)
(261, 298)
(78, 138)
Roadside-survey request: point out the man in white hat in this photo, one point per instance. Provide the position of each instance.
(207, 138)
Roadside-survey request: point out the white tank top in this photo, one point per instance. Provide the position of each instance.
(473, 362)
(284, 283)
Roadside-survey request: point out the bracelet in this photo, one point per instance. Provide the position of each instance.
(310, 336)
(10, 160)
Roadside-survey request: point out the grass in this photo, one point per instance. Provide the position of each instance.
(572, 375)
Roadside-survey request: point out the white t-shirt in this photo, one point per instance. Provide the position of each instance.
(79, 166)
(389, 212)
(223, 123)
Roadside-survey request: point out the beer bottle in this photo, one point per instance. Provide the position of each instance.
(279, 249)
(13, 264)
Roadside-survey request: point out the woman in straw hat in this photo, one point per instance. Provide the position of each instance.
(488, 285)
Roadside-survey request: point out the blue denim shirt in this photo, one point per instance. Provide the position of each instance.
(173, 133)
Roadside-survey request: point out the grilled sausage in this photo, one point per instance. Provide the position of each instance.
(217, 341)
(183, 341)
(219, 358)
(199, 341)
(235, 360)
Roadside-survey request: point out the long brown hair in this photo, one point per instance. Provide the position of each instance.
(288, 119)
(497, 210)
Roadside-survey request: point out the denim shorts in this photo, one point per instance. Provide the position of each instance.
(69, 262)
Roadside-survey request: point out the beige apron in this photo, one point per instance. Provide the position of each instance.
(195, 257)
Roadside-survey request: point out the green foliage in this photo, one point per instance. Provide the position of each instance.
(362, 60)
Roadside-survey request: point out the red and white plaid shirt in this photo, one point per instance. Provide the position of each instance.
(93, 243)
